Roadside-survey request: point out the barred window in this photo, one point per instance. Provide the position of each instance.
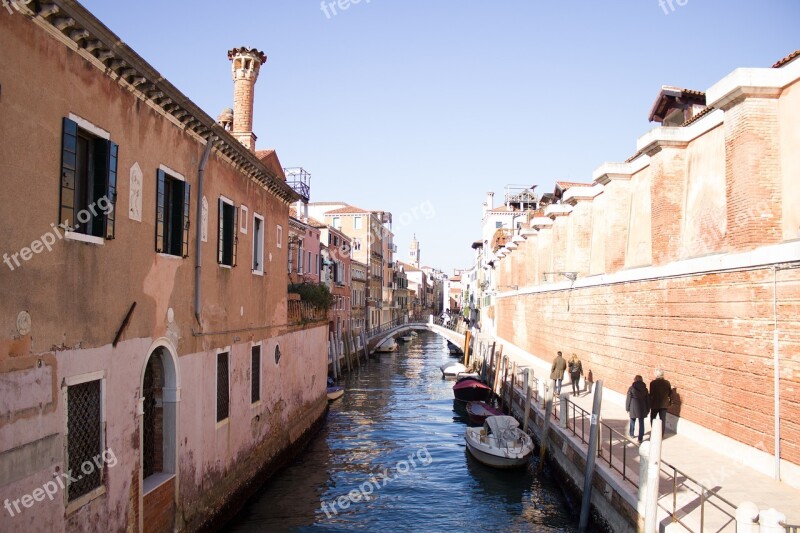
(84, 437)
(223, 397)
(255, 374)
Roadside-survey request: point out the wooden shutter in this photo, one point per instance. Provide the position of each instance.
(69, 159)
(235, 234)
(111, 189)
(160, 210)
(186, 219)
(220, 230)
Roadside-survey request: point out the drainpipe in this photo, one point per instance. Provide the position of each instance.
(199, 228)
(777, 373)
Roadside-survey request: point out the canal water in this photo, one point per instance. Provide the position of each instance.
(391, 457)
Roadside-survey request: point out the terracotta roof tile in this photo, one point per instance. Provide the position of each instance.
(788, 59)
(567, 184)
(348, 210)
(698, 116)
(314, 223)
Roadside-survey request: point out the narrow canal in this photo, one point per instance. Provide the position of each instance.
(392, 457)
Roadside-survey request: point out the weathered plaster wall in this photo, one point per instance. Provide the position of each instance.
(789, 110)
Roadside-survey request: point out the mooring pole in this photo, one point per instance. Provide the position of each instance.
(548, 410)
(527, 400)
(653, 470)
(591, 454)
(332, 353)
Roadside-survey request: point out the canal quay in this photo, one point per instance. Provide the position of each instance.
(398, 410)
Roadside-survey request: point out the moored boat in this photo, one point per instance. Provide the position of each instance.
(471, 389)
(389, 345)
(406, 338)
(334, 393)
(454, 348)
(479, 411)
(499, 443)
(450, 370)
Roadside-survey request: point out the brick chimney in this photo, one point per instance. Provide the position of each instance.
(245, 65)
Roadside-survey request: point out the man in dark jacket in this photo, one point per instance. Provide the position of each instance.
(557, 372)
(637, 404)
(660, 399)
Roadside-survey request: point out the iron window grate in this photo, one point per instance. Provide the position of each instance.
(84, 435)
(223, 406)
(255, 369)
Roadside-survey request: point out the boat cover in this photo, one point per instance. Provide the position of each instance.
(502, 428)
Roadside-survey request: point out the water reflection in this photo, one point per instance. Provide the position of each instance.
(365, 470)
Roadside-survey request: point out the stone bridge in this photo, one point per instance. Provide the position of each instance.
(379, 338)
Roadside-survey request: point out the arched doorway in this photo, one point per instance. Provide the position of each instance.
(158, 428)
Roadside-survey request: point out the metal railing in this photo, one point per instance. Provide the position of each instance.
(621, 455)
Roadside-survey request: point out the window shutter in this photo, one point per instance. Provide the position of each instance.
(160, 211)
(111, 189)
(235, 234)
(69, 146)
(220, 232)
(186, 219)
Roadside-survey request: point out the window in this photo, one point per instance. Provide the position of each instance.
(227, 241)
(357, 223)
(88, 179)
(84, 436)
(223, 394)
(337, 222)
(309, 263)
(300, 256)
(316, 263)
(172, 215)
(498, 224)
(335, 240)
(258, 243)
(279, 236)
(244, 212)
(356, 245)
(255, 374)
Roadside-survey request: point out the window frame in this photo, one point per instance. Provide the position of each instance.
(233, 232)
(217, 353)
(259, 345)
(258, 247)
(163, 174)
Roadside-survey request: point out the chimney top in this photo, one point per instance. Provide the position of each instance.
(244, 50)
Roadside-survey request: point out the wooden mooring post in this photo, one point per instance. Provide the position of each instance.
(548, 410)
(527, 400)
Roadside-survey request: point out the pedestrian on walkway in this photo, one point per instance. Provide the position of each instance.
(660, 399)
(575, 373)
(588, 382)
(637, 404)
(557, 372)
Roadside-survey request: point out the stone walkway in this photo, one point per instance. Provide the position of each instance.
(730, 479)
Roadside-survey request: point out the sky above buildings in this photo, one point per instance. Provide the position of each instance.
(420, 107)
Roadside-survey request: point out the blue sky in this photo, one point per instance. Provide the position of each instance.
(406, 104)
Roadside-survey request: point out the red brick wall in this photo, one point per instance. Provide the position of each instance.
(159, 508)
(712, 335)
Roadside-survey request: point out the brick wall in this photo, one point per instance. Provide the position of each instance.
(712, 335)
(159, 508)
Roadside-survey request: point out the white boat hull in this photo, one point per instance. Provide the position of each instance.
(388, 346)
(514, 453)
(450, 370)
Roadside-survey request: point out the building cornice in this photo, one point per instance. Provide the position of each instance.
(557, 210)
(573, 195)
(608, 172)
(82, 32)
(745, 83)
(662, 137)
(541, 222)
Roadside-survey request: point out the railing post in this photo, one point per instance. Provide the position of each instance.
(653, 469)
(641, 503)
(747, 518)
(771, 521)
(563, 418)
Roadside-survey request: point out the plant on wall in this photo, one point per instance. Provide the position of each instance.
(317, 294)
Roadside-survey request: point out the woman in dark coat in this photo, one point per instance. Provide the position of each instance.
(638, 405)
(575, 373)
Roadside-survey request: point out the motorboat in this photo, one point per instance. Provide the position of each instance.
(500, 443)
(479, 411)
(406, 338)
(449, 370)
(471, 389)
(334, 393)
(454, 348)
(389, 345)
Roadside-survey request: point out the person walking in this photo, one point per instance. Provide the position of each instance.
(637, 403)
(660, 399)
(575, 373)
(557, 372)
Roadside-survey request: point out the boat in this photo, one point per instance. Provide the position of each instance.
(449, 370)
(478, 411)
(470, 389)
(406, 338)
(454, 348)
(389, 345)
(334, 393)
(499, 443)
(414, 333)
